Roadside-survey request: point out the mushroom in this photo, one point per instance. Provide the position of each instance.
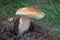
(27, 13)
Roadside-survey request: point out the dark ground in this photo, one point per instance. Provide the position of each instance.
(36, 32)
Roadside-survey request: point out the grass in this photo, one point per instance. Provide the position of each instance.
(50, 7)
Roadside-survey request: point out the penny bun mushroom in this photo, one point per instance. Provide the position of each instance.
(27, 13)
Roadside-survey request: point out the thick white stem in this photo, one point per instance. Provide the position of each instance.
(24, 25)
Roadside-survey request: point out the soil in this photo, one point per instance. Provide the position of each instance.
(36, 32)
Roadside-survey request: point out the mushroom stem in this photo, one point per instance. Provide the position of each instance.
(23, 26)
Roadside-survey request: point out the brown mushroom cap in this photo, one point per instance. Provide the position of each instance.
(31, 12)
